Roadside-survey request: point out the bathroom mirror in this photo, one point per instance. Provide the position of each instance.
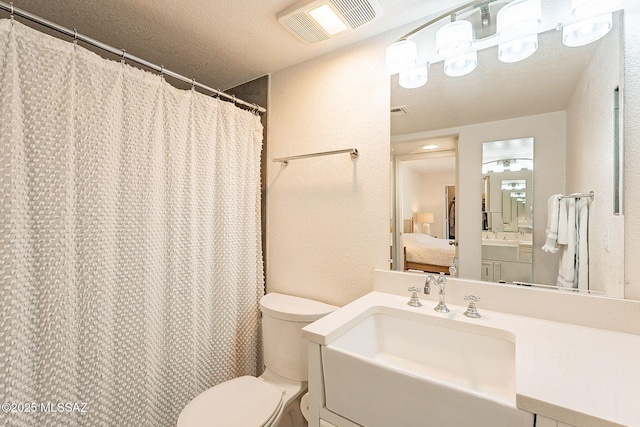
(565, 100)
(507, 211)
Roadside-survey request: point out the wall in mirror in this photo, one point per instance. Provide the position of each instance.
(564, 99)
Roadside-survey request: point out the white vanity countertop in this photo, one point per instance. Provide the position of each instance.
(578, 375)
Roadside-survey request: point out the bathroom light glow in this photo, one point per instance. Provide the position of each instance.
(414, 77)
(454, 39)
(587, 31)
(499, 167)
(402, 55)
(519, 49)
(325, 16)
(461, 65)
(587, 8)
(518, 19)
(430, 147)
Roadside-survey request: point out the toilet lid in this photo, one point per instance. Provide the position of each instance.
(241, 402)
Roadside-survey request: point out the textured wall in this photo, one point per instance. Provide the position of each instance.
(590, 164)
(410, 194)
(632, 150)
(328, 217)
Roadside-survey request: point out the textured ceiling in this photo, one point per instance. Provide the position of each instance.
(220, 43)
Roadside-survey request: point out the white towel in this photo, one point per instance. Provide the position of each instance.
(582, 224)
(567, 268)
(553, 211)
(563, 222)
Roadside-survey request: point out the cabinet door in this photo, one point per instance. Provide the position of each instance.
(548, 422)
(487, 271)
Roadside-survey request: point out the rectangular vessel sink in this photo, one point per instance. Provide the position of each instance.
(426, 370)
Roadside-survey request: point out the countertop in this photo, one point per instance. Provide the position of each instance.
(578, 375)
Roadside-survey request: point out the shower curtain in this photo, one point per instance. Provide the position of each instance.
(130, 264)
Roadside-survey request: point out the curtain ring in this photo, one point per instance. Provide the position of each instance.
(162, 72)
(233, 99)
(217, 93)
(11, 12)
(256, 110)
(193, 84)
(75, 36)
(122, 60)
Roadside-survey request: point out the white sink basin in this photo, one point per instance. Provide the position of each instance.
(409, 369)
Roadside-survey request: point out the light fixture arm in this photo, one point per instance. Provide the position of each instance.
(451, 14)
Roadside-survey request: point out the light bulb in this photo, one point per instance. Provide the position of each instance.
(587, 31)
(413, 78)
(461, 65)
(517, 50)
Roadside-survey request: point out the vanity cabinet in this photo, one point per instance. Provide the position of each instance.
(548, 422)
(506, 263)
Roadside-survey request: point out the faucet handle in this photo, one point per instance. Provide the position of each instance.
(472, 310)
(414, 301)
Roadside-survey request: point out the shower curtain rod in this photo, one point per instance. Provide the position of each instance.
(123, 54)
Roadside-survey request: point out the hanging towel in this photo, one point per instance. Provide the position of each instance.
(567, 267)
(582, 252)
(563, 223)
(553, 211)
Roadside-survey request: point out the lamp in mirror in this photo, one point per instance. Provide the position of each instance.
(426, 219)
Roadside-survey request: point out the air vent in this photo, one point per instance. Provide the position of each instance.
(353, 13)
(402, 110)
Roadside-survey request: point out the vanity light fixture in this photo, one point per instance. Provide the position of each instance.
(401, 56)
(587, 31)
(461, 65)
(454, 39)
(511, 25)
(499, 167)
(518, 24)
(413, 78)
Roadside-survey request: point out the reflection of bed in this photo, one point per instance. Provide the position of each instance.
(426, 253)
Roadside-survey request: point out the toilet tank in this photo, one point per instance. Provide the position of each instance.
(283, 317)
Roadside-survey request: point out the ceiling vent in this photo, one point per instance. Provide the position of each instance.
(305, 18)
(402, 110)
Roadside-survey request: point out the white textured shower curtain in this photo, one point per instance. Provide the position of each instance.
(130, 263)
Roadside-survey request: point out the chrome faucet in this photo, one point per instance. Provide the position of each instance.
(427, 284)
(414, 301)
(453, 269)
(472, 310)
(441, 307)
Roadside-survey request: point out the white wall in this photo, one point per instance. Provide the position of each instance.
(590, 162)
(327, 230)
(632, 150)
(432, 191)
(410, 195)
(328, 217)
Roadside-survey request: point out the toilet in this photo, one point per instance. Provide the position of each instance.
(273, 398)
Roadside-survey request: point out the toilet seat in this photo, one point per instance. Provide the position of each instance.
(241, 402)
